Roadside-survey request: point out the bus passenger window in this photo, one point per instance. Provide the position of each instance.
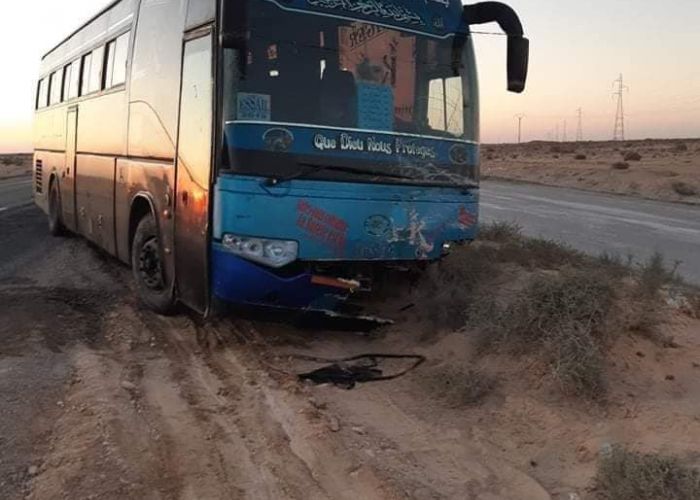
(66, 82)
(55, 88)
(95, 83)
(74, 84)
(116, 61)
(42, 94)
(85, 74)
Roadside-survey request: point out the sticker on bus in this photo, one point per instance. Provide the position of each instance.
(254, 107)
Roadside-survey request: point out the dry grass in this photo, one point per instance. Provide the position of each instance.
(684, 189)
(570, 313)
(632, 156)
(499, 232)
(626, 475)
(561, 317)
(645, 308)
(567, 308)
(449, 288)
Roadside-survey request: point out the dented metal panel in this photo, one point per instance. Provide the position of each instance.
(347, 221)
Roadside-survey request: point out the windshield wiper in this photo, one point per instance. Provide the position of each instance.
(312, 168)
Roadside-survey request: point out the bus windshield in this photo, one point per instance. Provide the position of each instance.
(331, 72)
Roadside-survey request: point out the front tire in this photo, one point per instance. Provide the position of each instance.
(56, 227)
(153, 285)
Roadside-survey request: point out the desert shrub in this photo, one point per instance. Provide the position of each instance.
(621, 165)
(632, 156)
(456, 387)
(499, 231)
(561, 316)
(646, 308)
(628, 475)
(684, 189)
(580, 157)
(563, 149)
(449, 287)
(680, 147)
(543, 253)
(654, 274)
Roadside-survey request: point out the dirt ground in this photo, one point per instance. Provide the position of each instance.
(101, 399)
(15, 165)
(666, 170)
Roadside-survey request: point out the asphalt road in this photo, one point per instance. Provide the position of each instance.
(597, 223)
(591, 222)
(14, 192)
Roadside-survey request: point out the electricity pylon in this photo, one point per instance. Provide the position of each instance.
(619, 130)
(520, 126)
(579, 126)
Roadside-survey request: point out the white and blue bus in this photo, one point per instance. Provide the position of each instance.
(266, 152)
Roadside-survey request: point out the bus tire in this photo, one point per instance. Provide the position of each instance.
(154, 287)
(56, 227)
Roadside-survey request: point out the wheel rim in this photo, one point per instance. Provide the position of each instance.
(150, 269)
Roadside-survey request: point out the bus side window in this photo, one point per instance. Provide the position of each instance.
(117, 51)
(95, 83)
(42, 94)
(55, 88)
(67, 69)
(74, 84)
(85, 74)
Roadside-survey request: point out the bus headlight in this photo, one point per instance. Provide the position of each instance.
(273, 253)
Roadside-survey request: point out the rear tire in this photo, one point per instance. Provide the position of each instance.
(154, 287)
(56, 227)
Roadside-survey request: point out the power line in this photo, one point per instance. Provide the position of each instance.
(619, 130)
(520, 126)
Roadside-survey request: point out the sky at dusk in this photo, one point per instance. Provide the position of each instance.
(578, 48)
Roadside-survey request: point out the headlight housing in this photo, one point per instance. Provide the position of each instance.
(273, 253)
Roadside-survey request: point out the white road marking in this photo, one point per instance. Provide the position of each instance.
(2, 209)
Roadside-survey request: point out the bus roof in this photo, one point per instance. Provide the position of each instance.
(77, 30)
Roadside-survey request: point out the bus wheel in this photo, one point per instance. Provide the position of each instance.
(56, 227)
(154, 288)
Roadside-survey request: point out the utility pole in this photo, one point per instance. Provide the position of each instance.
(619, 130)
(565, 138)
(579, 127)
(520, 126)
(557, 132)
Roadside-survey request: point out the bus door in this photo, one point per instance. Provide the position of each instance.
(193, 174)
(67, 182)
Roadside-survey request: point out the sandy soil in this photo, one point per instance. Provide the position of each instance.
(667, 169)
(102, 399)
(15, 165)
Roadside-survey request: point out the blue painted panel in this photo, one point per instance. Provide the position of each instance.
(347, 221)
(239, 281)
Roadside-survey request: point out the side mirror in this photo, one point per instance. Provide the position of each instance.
(518, 45)
(518, 62)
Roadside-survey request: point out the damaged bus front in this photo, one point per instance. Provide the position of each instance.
(349, 134)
